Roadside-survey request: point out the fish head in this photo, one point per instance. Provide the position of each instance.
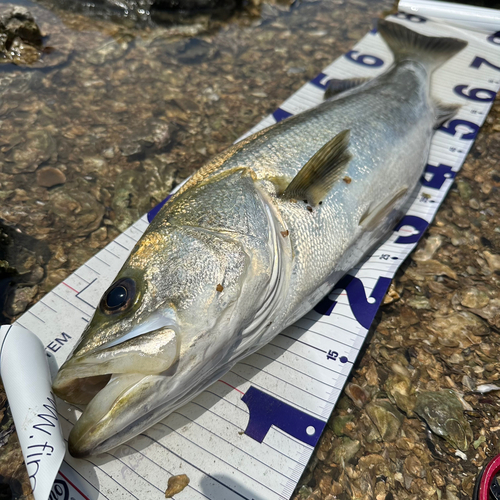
(169, 315)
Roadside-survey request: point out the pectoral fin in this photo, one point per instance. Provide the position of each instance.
(376, 214)
(335, 86)
(318, 175)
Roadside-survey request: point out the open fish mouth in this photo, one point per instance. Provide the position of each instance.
(112, 380)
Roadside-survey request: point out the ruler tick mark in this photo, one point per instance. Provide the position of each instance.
(70, 287)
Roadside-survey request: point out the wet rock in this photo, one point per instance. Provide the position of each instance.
(18, 302)
(461, 329)
(38, 147)
(196, 50)
(465, 189)
(152, 136)
(49, 177)
(435, 268)
(386, 417)
(108, 52)
(129, 202)
(401, 391)
(493, 260)
(343, 450)
(414, 467)
(432, 244)
(392, 294)
(490, 313)
(176, 484)
(20, 37)
(75, 209)
(443, 412)
(474, 298)
(341, 425)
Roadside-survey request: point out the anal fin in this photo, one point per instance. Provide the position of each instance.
(317, 176)
(375, 215)
(335, 86)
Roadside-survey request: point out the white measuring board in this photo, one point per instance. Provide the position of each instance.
(251, 434)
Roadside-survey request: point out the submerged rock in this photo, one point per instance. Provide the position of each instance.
(76, 210)
(49, 177)
(37, 147)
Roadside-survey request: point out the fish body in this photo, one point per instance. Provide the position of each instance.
(251, 243)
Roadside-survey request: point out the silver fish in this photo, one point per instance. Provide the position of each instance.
(252, 242)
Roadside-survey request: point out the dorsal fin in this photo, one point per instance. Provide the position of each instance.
(319, 174)
(335, 86)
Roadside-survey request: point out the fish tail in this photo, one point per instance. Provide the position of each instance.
(406, 44)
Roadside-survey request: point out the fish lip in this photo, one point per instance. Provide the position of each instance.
(95, 428)
(145, 352)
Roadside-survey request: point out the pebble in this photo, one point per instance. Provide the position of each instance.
(49, 177)
(474, 298)
(493, 260)
(176, 484)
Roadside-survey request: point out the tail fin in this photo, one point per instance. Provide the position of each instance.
(407, 44)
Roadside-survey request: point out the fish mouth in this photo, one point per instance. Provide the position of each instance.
(117, 408)
(117, 383)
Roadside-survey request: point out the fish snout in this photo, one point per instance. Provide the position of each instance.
(82, 377)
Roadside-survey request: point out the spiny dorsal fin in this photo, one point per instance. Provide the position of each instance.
(374, 216)
(319, 174)
(335, 86)
(432, 51)
(444, 112)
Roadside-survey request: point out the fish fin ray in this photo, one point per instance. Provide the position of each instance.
(335, 86)
(318, 175)
(373, 216)
(407, 44)
(444, 112)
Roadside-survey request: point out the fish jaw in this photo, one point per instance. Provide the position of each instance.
(82, 377)
(108, 414)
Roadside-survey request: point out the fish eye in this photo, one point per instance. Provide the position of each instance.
(119, 297)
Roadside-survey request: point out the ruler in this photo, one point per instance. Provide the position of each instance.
(251, 434)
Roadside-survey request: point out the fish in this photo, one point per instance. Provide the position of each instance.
(252, 242)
